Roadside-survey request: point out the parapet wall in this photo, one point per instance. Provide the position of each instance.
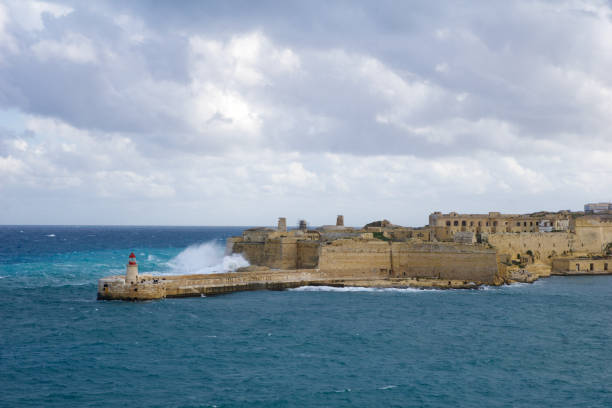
(593, 231)
(546, 245)
(346, 256)
(409, 259)
(444, 261)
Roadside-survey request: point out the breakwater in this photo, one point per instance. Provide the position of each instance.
(149, 287)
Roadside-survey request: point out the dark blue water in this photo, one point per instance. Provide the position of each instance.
(546, 344)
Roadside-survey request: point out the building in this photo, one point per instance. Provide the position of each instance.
(445, 226)
(597, 208)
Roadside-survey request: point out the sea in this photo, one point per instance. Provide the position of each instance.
(548, 344)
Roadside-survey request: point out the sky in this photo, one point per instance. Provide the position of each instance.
(240, 112)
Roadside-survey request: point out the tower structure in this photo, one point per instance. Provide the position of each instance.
(131, 273)
(282, 224)
(340, 221)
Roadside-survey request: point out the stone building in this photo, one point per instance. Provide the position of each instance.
(597, 208)
(445, 226)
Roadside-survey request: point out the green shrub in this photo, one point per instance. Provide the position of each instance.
(379, 235)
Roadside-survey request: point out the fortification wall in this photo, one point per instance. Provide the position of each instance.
(346, 257)
(593, 231)
(251, 251)
(375, 258)
(409, 259)
(444, 261)
(308, 254)
(546, 245)
(279, 253)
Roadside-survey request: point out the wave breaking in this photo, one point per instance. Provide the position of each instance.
(205, 258)
(353, 289)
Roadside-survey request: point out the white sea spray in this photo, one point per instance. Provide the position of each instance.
(205, 258)
(354, 289)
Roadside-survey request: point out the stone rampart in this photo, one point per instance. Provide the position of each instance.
(444, 261)
(347, 256)
(593, 231)
(546, 245)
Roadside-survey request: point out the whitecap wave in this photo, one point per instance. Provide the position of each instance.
(51, 235)
(353, 289)
(205, 258)
(514, 285)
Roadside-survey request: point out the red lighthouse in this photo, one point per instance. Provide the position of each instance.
(131, 274)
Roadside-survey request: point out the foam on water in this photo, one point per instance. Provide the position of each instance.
(353, 289)
(205, 258)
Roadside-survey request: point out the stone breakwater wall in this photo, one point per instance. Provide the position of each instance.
(163, 286)
(150, 287)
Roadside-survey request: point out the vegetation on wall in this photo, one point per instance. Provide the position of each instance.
(380, 235)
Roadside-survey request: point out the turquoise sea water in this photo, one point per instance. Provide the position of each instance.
(546, 344)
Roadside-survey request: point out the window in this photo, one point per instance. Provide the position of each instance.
(577, 267)
(495, 223)
(518, 224)
(590, 267)
(605, 267)
(471, 223)
(487, 223)
(525, 224)
(479, 223)
(531, 223)
(455, 223)
(463, 223)
(448, 223)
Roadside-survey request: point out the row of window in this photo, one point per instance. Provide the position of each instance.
(464, 223)
(592, 267)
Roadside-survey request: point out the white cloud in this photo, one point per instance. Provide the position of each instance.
(29, 14)
(72, 47)
(10, 165)
(442, 67)
(239, 120)
(7, 41)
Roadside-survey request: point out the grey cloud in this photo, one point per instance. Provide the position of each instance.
(499, 54)
(360, 104)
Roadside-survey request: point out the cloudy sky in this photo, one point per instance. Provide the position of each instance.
(235, 113)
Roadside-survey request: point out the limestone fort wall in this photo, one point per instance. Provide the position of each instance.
(375, 258)
(591, 237)
(344, 257)
(444, 261)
